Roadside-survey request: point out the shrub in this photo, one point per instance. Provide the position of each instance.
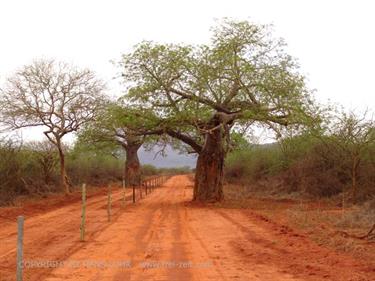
(93, 166)
(151, 170)
(318, 165)
(31, 168)
(254, 163)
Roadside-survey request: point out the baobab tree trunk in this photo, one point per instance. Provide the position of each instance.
(132, 165)
(64, 181)
(209, 170)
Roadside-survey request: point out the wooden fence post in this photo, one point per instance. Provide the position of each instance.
(83, 215)
(140, 190)
(124, 193)
(109, 206)
(133, 193)
(20, 223)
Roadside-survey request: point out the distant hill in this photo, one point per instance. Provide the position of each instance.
(173, 158)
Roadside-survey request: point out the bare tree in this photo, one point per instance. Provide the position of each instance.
(55, 95)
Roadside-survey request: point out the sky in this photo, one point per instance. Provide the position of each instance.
(333, 41)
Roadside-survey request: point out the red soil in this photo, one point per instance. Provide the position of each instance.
(165, 237)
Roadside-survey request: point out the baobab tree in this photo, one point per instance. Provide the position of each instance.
(116, 126)
(54, 95)
(242, 78)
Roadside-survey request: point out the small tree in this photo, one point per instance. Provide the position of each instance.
(112, 129)
(352, 137)
(56, 96)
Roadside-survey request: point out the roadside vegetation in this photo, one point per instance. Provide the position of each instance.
(321, 183)
(315, 164)
(31, 169)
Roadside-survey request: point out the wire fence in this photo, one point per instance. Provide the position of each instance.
(146, 187)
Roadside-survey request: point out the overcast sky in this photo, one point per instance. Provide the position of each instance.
(333, 40)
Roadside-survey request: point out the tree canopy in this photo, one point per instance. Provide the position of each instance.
(54, 95)
(243, 77)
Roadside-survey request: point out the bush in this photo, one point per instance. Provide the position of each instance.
(32, 168)
(21, 172)
(175, 171)
(93, 166)
(151, 170)
(253, 163)
(317, 165)
(10, 170)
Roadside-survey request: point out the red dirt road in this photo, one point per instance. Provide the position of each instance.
(166, 237)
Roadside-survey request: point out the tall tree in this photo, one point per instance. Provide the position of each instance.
(243, 77)
(57, 96)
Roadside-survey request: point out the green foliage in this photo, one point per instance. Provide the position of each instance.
(88, 164)
(10, 169)
(296, 148)
(151, 170)
(316, 163)
(22, 172)
(175, 170)
(239, 142)
(242, 77)
(254, 162)
(25, 169)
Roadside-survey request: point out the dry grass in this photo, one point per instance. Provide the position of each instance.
(322, 221)
(324, 227)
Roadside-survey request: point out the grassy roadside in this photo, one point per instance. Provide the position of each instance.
(325, 222)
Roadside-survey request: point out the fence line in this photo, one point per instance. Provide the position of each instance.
(83, 216)
(149, 184)
(20, 223)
